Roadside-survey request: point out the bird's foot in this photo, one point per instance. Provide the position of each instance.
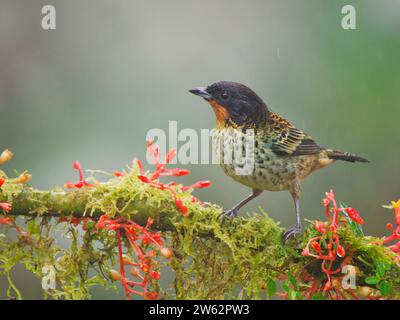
(231, 214)
(292, 232)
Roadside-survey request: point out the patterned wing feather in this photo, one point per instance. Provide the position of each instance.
(285, 139)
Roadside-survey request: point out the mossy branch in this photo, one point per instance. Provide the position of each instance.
(212, 258)
(33, 203)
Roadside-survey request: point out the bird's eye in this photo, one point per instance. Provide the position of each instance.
(224, 96)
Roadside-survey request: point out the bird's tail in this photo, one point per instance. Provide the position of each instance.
(338, 155)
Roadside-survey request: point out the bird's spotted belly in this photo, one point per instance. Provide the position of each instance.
(272, 172)
(265, 169)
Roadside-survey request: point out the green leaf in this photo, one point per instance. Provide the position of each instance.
(380, 270)
(271, 287)
(285, 287)
(385, 287)
(372, 280)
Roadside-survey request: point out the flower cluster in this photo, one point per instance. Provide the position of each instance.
(395, 236)
(161, 169)
(326, 246)
(82, 182)
(145, 245)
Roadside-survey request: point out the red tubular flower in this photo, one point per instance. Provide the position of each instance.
(331, 197)
(139, 164)
(197, 185)
(144, 179)
(5, 206)
(6, 220)
(320, 226)
(170, 155)
(155, 275)
(390, 226)
(182, 208)
(82, 183)
(325, 202)
(121, 263)
(77, 166)
(340, 251)
(327, 285)
(176, 172)
(395, 248)
(102, 220)
(160, 168)
(353, 214)
(306, 250)
(79, 184)
(316, 247)
(2, 180)
(118, 174)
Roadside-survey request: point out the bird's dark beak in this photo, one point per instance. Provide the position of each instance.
(201, 92)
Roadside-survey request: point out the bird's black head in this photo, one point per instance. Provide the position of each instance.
(234, 104)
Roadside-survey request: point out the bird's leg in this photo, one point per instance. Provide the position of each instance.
(232, 213)
(291, 233)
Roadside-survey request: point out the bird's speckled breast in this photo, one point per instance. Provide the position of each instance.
(270, 171)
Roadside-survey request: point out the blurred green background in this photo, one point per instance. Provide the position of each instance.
(112, 70)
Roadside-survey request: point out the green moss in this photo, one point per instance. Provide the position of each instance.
(220, 260)
(213, 260)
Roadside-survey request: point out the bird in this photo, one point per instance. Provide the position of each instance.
(283, 155)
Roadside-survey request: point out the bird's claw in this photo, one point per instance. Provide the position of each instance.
(231, 214)
(292, 232)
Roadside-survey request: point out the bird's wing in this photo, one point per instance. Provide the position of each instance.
(285, 139)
